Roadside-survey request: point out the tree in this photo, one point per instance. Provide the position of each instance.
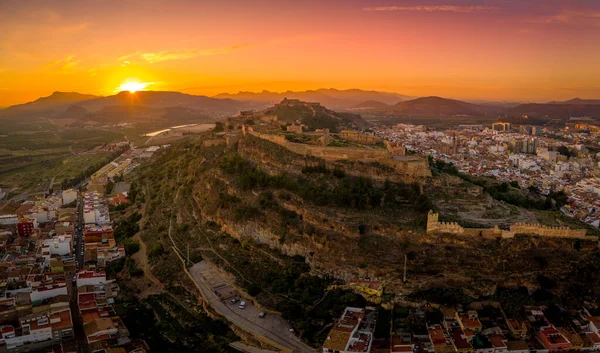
(564, 151)
(131, 247)
(219, 127)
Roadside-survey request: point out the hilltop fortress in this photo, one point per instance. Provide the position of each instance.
(435, 226)
(413, 167)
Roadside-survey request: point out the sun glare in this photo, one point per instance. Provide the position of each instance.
(133, 86)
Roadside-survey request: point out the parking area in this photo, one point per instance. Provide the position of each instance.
(222, 292)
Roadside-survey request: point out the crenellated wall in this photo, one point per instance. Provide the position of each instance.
(435, 226)
(536, 228)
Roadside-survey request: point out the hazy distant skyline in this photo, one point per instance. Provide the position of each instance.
(526, 50)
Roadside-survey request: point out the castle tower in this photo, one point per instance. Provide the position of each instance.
(432, 221)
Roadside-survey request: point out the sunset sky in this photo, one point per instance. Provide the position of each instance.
(526, 50)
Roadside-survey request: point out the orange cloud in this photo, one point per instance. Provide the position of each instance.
(63, 64)
(570, 16)
(167, 55)
(431, 8)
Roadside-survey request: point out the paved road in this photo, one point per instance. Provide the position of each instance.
(273, 327)
(242, 347)
(82, 345)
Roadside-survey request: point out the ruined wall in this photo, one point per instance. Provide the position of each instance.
(435, 226)
(356, 136)
(395, 148)
(410, 165)
(214, 142)
(339, 153)
(298, 129)
(327, 153)
(538, 229)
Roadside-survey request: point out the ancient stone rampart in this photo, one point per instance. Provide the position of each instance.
(536, 228)
(435, 226)
(357, 136)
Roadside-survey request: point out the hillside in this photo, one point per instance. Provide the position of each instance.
(125, 106)
(579, 101)
(313, 115)
(73, 112)
(370, 106)
(556, 110)
(285, 226)
(56, 102)
(158, 99)
(437, 106)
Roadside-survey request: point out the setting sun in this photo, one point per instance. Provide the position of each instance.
(133, 86)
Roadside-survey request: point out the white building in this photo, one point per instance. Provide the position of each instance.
(47, 291)
(38, 330)
(59, 245)
(95, 209)
(9, 219)
(549, 156)
(69, 196)
(90, 278)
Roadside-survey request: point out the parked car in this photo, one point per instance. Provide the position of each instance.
(242, 304)
(233, 300)
(262, 314)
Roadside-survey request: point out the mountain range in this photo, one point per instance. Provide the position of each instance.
(167, 104)
(330, 97)
(72, 104)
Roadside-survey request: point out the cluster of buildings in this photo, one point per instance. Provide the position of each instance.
(55, 251)
(550, 160)
(482, 327)
(584, 199)
(485, 328)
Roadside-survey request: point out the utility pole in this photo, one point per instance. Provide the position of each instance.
(405, 259)
(188, 253)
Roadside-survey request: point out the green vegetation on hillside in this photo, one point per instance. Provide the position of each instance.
(342, 191)
(167, 327)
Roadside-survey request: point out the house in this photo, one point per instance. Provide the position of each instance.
(59, 245)
(401, 344)
(119, 199)
(69, 196)
(460, 341)
(441, 343)
(482, 344)
(368, 287)
(100, 329)
(9, 220)
(353, 332)
(38, 330)
(592, 339)
(553, 339)
(517, 347)
(85, 278)
(26, 226)
(498, 343)
(516, 328)
(48, 289)
(470, 321)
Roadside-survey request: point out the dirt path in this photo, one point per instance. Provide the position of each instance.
(141, 258)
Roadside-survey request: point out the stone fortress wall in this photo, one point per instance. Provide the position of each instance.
(357, 136)
(412, 166)
(435, 226)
